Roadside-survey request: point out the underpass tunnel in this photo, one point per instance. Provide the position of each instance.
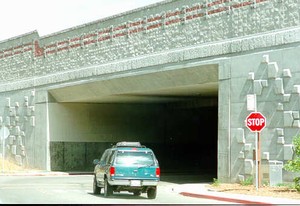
(177, 118)
(190, 138)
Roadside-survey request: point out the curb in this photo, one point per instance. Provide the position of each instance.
(38, 173)
(227, 199)
(34, 174)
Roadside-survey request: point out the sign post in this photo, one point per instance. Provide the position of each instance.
(255, 122)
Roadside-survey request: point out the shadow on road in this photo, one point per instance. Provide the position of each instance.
(187, 177)
(120, 195)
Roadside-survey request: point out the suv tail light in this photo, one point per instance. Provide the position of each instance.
(157, 172)
(112, 171)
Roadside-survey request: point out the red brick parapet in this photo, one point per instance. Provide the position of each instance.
(130, 28)
(38, 51)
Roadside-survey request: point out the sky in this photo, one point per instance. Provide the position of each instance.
(18, 17)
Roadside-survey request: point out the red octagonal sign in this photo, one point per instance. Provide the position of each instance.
(255, 121)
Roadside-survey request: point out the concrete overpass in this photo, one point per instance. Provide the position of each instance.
(173, 75)
(151, 85)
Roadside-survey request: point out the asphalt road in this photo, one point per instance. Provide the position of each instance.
(77, 189)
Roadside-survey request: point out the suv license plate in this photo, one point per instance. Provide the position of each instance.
(135, 183)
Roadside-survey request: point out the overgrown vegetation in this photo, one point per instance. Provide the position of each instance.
(294, 164)
(216, 182)
(286, 185)
(247, 181)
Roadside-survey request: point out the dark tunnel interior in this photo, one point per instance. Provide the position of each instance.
(187, 143)
(190, 144)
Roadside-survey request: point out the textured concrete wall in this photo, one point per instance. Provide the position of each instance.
(25, 143)
(273, 77)
(255, 44)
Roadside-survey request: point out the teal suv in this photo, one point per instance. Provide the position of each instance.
(127, 166)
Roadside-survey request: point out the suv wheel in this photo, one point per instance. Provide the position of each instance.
(137, 193)
(107, 189)
(151, 193)
(96, 189)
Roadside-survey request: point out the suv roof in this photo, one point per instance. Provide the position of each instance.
(128, 144)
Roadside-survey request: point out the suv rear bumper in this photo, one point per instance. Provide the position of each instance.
(133, 182)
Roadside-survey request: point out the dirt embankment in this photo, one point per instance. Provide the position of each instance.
(278, 191)
(11, 167)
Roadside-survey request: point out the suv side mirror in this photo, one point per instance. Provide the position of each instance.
(96, 161)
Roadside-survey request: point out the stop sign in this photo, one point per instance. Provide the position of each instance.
(255, 121)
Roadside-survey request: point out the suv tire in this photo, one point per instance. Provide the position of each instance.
(137, 193)
(151, 193)
(107, 189)
(96, 189)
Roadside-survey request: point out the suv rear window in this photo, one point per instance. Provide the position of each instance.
(129, 158)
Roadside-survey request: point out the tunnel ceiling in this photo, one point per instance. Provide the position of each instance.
(158, 86)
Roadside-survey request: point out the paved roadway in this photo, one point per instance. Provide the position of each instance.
(77, 189)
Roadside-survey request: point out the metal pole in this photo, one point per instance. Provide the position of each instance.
(259, 159)
(256, 160)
